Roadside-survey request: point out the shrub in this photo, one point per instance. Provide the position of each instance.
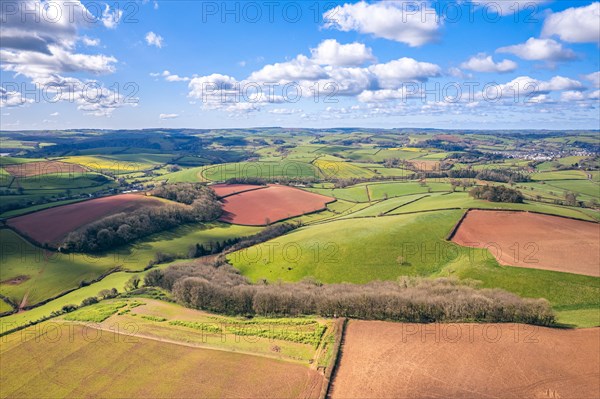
(89, 301)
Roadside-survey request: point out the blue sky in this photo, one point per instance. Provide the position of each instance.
(440, 64)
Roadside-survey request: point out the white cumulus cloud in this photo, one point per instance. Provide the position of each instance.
(152, 39)
(394, 73)
(485, 63)
(507, 7)
(539, 50)
(575, 24)
(111, 18)
(330, 52)
(410, 22)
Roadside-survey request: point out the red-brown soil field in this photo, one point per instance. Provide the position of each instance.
(268, 205)
(225, 190)
(53, 224)
(544, 242)
(29, 169)
(401, 360)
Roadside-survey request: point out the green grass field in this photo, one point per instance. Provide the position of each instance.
(341, 170)
(13, 160)
(386, 206)
(190, 175)
(580, 318)
(115, 280)
(61, 181)
(560, 175)
(5, 307)
(49, 273)
(352, 251)
(356, 193)
(584, 187)
(464, 201)
(266, 170)
(45, 274)
(387, 190)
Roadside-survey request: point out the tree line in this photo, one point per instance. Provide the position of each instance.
(221, 289)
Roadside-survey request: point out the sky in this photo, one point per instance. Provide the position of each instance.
(511, 64)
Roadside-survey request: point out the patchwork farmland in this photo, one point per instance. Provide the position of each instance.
(269, 245)
(355, 199)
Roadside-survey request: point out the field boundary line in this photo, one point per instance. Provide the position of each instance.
(335, 362)
(456, 226)
(408, 203)
(240, 192)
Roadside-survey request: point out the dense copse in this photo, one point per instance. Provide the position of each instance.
(497, 194)
(473, 156)
(502, 176)
(495, 175)
(122, 228)
(439, 144)
(223, 290)
(211, 248)
(186, 193)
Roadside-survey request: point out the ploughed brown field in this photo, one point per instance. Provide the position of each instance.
(224, 190)
(54, 224)
(271, 204)
(43, 168)
(425, 165)
(533, 240)
(401, 360)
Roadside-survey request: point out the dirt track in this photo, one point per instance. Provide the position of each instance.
(543, 241)
(400, 360)
(53, 224)
(268, 205)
